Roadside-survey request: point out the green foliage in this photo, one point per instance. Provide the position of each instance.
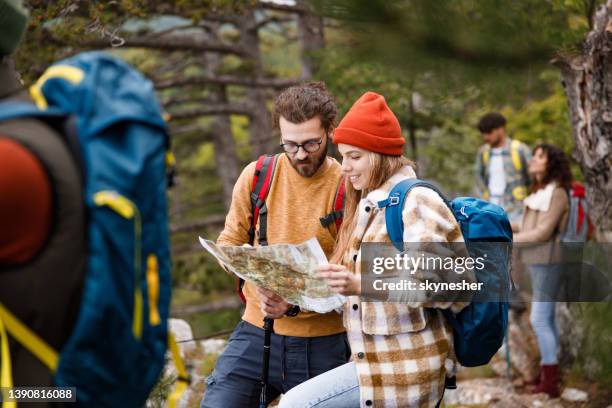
(208, 364)
(240, 130)
(472, 33)
(595, 360)
(545, 120)
(280, 54)
(161, 391)
(198, 270)
(449, 151)
(205, 324)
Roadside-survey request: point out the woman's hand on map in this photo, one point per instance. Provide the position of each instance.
(340, 279)
(271, 304)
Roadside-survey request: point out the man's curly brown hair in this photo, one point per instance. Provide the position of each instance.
(303, 102)
(557, 167)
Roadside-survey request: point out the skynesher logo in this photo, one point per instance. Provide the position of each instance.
(412, 264)
(429, 286)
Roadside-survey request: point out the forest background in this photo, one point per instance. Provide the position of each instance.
(218, 64)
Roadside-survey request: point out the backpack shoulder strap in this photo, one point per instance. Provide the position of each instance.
(63, 124)
(262, 180)
(18, 109)
(337, 213)
(394, 205)
(515, 152)
(184, 379)
(28, 339)
(485, 155)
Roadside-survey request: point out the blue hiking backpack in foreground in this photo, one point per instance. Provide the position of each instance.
(116, 351)
(479, 329)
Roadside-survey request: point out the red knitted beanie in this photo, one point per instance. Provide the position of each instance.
(371, 125)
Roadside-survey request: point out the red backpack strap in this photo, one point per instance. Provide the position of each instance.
(339, 203)
(256, 186)
(338, 210)
(261, 187)
(262, 180)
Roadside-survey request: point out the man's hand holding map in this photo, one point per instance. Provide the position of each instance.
(286, 269)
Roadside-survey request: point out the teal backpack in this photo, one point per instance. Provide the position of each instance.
(116, 351)
(479, 329)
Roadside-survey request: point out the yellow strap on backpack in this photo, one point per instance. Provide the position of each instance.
(28, 339)
(6, 376)
(71, 74)
(486, 153)
(128, 210)
(170, 159)
(514, 152)
(183, 379)
(516, 155)
(153, 289)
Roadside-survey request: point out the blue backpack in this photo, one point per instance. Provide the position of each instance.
(479, 329)
(116, 351)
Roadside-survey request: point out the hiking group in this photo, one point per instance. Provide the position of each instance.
(399, 353)
(83, 176)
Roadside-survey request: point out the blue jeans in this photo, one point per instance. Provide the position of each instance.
(235, 381)
(546, 281)
(337, 388)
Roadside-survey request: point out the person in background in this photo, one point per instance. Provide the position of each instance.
(501, 166)
(544, 220)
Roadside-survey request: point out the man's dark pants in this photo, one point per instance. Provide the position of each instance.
(235, 382)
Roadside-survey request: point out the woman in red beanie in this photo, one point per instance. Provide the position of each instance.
(401, 347)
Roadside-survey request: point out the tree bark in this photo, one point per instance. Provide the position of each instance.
(311, 37)
(260, 123)
(226, 159)
(219, 107)
(210, 221)
(171, 43)
(587, 79)
(225, 80)
(228, 167)
(230, 302)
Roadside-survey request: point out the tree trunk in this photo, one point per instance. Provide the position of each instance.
(312, 40)
(587, 79)
(260, 124)
(226, 159)
(228, 168)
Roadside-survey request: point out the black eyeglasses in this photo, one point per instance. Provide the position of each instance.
(310, 147)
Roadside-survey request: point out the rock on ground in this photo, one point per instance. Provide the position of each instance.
(574, 395)
(496, 393)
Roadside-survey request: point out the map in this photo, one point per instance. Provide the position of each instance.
(286, 269)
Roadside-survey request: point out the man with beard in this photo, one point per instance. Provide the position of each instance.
(501, 166)
(304, 344)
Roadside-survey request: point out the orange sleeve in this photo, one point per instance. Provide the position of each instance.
(26, 204)
(238, 219)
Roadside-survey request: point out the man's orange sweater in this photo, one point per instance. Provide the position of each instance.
(295, 204)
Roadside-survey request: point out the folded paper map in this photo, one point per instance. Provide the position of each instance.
(286, 269)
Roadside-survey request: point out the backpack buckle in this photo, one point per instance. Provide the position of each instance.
(394, 200)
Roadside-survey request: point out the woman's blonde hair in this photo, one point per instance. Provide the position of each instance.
(382, 167)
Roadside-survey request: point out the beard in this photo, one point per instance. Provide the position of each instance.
(309, 166)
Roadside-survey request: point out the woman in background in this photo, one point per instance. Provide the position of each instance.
(544, 219)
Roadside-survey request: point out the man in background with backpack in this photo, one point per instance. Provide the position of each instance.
(42, 220)
(302, 192)
(501, 166)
